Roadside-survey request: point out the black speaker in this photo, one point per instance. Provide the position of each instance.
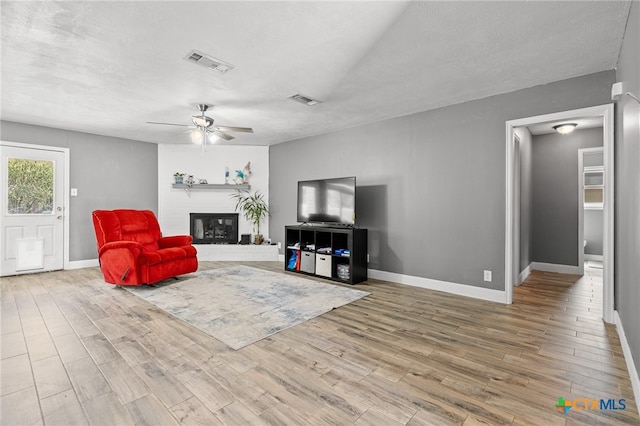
(245, 239)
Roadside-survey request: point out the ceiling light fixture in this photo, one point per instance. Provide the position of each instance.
(566, 128)
(196, 136)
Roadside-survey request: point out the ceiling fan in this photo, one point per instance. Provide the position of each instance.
(203, 127)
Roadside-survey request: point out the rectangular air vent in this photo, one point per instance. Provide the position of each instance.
(304, 99)
(207, 61)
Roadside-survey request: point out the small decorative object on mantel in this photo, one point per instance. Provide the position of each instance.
(254, 208)
(177, 177)
(188, 183)
(226, 175)
(242, 176)
(202, 181)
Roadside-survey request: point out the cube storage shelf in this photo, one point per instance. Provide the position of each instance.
(339, 254)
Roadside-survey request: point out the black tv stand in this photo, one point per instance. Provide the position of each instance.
(335, 253)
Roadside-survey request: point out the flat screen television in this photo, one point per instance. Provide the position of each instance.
(331, 201)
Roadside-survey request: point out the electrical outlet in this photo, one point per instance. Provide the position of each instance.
(74, 192)
(279, 245)
(487, 275)
(367, 257)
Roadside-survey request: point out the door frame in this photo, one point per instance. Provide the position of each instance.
(65, 189)
(606, 112)
(581, 153)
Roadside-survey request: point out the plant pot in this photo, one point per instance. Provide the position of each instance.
(178, 180)
(258, 239)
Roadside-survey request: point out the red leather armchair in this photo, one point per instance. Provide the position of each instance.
(132, 250)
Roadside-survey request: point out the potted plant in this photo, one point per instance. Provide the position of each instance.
(177, 177)
(254, 208)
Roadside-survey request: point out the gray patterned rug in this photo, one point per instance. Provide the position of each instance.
(240, 305)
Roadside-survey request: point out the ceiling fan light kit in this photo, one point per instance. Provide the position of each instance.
(204, 128)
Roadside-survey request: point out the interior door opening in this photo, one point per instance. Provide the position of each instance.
(513, 218)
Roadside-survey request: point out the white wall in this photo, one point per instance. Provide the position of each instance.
(174, 205)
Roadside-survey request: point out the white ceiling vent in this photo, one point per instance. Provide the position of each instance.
(304, 99)
(207, 61)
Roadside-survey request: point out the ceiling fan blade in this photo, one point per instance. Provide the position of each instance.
(168, 124)
(222, 135)
(235, 129)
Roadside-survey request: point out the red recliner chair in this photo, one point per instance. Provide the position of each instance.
(132, 250)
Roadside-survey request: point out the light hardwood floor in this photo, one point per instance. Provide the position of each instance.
(77, 351)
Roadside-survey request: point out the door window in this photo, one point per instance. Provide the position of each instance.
(30, 186)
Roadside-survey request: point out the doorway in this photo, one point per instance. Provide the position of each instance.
(33, 206)
(590, 206)
(605, 112)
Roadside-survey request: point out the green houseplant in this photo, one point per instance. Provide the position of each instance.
(177, 177)
(254, 208)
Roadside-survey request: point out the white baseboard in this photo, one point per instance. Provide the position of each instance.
(524, 274)
(237, 252)
(447, 287)
(596, 257)
(552, 267)
(79, 264)
(628, 357)
(219, 252)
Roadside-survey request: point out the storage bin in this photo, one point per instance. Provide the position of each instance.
(323, 265)
(308, 262)
(343, 271)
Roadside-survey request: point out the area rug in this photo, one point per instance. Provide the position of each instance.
(240, 305)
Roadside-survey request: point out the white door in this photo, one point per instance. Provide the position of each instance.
(32, 210)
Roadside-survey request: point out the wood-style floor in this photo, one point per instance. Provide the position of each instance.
(76, 351)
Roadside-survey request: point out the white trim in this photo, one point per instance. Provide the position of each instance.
(596, 257)
(80, 264)
(66, 198)
(524, 274)
(606, 112)
(608, 243)
(447, 287)
(628, 357)
(553, 267)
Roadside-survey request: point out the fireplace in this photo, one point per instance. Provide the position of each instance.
(214, 228)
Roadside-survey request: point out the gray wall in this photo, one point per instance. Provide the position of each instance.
(555, 185)
(525, 173)
(108, 172)
(627, 227)
(593, 231)
(430, 185)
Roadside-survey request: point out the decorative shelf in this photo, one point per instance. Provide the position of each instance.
(212, 186)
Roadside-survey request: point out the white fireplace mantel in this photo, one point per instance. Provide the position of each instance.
(175, 204)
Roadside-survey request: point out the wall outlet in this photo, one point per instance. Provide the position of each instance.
(74, 192)
(279, 245)
(367, 257)
(487, 275)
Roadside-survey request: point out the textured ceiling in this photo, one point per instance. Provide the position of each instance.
(109, 67)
